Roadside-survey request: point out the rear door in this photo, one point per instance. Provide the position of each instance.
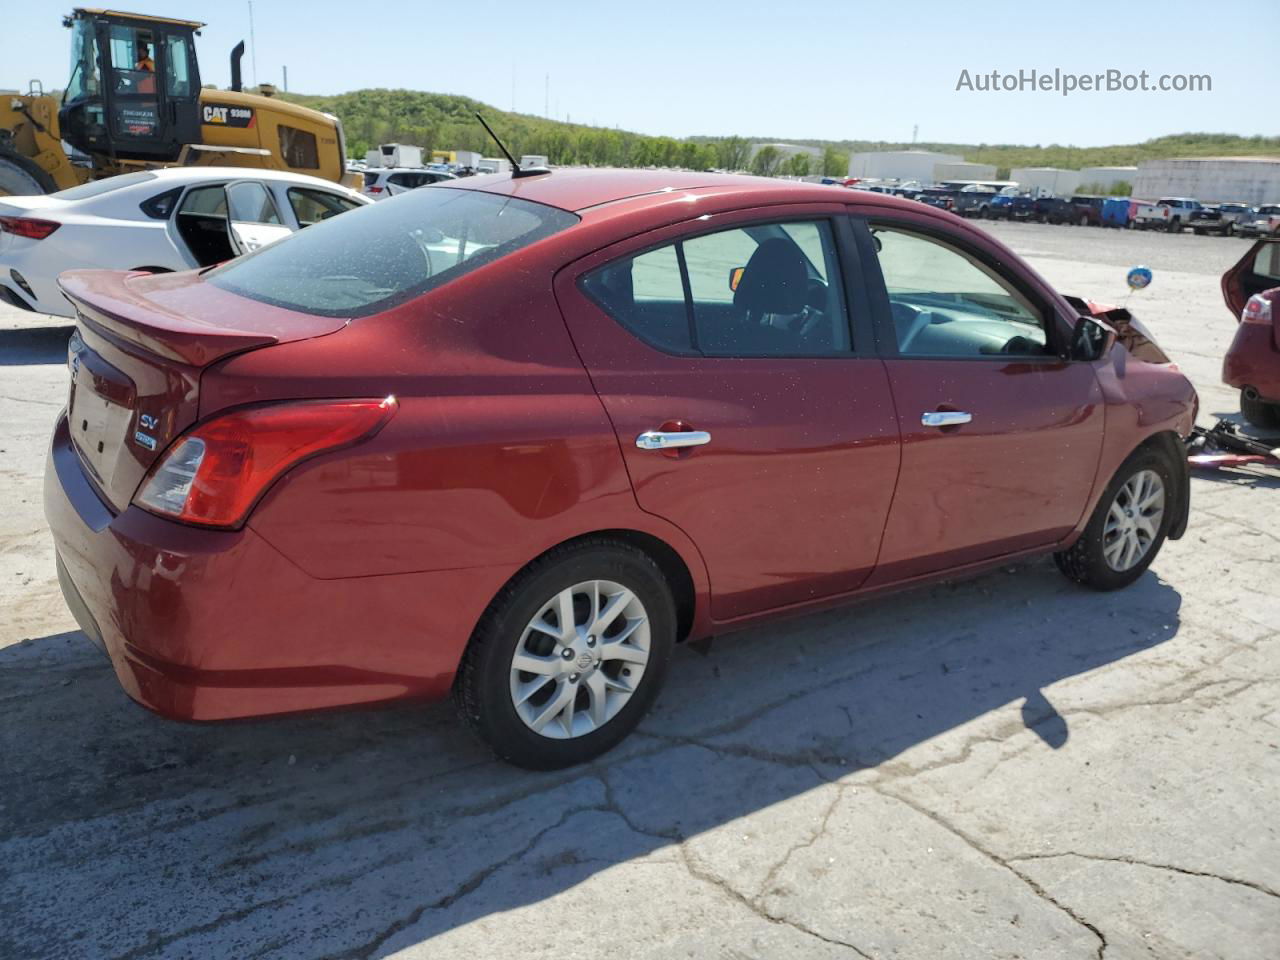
(253, 219)
(748, 413)
(1001, 437)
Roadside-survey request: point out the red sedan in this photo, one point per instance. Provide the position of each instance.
(1252, 364)
(514, 438)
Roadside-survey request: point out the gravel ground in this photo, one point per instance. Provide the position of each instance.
(1004, 767)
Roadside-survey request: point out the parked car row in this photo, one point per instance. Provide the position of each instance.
(1170, 214)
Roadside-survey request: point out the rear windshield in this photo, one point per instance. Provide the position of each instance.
(386, 253)
(96, 187)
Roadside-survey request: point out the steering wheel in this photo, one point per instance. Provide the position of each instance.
(1021, 346)
(914, 319)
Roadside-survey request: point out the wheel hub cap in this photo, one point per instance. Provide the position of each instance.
(580, 659)
(1133, 520)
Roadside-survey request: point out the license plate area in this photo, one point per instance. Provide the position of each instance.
(100, 413)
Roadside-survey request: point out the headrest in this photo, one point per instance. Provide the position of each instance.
(775, 280)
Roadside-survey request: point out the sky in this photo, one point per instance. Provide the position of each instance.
(834, 70)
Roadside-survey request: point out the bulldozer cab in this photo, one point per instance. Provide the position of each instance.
(134, 89)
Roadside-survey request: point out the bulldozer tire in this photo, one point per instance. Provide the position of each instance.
(20, 177)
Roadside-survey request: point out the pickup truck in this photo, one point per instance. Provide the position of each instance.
(1265, 222)
(940, 197)
(1088, 209)
(1219, 218)
(1042, 209)
(1167, 213)
(973, 203)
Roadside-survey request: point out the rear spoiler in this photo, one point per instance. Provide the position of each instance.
(105, 301)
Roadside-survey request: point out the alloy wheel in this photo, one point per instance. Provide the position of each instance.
(1133, 520)
(580, 659)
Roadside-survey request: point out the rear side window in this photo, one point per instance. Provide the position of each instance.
(761, 291)
(383, 254)
(312, 206)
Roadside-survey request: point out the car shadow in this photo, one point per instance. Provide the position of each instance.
(33, 346)
(362, 833)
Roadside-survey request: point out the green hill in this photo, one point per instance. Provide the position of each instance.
(445, 121)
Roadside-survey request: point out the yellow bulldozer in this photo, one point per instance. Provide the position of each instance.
(134, 101)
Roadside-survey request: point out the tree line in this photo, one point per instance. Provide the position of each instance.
(445, 122)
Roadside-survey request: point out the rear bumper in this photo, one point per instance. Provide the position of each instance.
(214, 625)
(1253, 360)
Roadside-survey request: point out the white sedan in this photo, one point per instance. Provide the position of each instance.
(157, 220)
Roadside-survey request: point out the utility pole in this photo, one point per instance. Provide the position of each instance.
(915, 130)
(253, 47)
(546, 105)
(286, 78)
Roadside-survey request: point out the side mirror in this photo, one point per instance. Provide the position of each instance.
(1090, 340)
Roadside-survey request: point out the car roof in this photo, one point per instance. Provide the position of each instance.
(180, 175)
(445, 173)
(578, 189)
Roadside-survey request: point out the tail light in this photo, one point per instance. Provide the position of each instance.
(28, 227)
(1257, 310)
(214, 474)
(374, 189)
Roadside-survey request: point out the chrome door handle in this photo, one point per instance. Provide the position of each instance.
(662, 440)
(944, 418)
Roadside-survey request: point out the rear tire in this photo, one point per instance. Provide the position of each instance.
(20, 177)
(1086, 561)
(1260, 413)
(503, 704)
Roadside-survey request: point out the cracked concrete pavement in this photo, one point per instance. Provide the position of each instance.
(1001, 767)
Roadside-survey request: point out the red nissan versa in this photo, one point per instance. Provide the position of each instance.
(515, 437)
(1252, 364)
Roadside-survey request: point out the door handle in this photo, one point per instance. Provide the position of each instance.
(944, 418)
(669, 440)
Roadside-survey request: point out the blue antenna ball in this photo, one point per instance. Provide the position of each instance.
(1139, 278)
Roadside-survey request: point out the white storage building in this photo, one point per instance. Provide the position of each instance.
(1061, 183)
(1211, 179)
(900, 164)
(1105, 178)
(963, 170)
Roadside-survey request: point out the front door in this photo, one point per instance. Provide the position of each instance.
(1001, 438)
(747, 413)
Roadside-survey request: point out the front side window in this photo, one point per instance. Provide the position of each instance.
(298, 148)
(946, 303)
(312, 206)
(409, 181)
(133, 59)
(760, 291)
(386, 253)
(177, 70)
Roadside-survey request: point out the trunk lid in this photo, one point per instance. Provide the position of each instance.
(141, 343)
(1256, 271)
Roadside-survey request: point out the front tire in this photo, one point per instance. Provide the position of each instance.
(1128, 526)
(21, 177)
(569, 656)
